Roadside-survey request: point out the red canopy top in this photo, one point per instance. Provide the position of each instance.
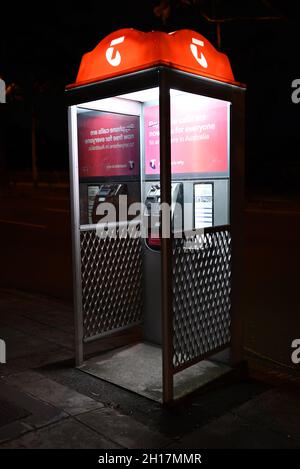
(129, 50)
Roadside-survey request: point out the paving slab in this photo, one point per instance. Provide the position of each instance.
(54, 393)
(23, 378)
(10, 412)
(21, 305)
(65, 435)
(19, 344)
(14, 430)
(36, 328)
(6, 370)
(53, 317)
(36, 414)
(36, 302)
(233, 432)
(277, 409)
(37, 360)
(187, 415)
(123, 429)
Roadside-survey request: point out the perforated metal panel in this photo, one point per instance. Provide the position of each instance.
(201, 294)
(111, 270)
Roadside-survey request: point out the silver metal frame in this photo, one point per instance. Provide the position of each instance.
(166, 79)
(166, 243)
(75, 225)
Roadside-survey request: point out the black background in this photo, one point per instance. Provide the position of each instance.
(41, 45)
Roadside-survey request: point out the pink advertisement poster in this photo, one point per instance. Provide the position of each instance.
(108, 144)
(199, 135)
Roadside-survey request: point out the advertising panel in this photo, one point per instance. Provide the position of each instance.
(108, 144)
(199, 136)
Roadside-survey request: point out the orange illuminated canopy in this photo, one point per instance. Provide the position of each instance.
(129, 50)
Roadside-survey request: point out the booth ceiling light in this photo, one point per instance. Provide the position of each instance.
(151, 94)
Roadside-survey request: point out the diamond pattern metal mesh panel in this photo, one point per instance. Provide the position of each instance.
(201, 294)
(111, 270)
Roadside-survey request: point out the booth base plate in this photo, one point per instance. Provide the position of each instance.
(138, 368)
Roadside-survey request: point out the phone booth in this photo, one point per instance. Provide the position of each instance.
(156, 136)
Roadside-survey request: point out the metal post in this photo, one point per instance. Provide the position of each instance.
(166, 254)
(75, 227)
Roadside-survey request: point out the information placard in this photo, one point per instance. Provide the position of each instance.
(203, 205)
(92, 193)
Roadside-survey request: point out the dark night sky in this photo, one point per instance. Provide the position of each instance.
(47, 42)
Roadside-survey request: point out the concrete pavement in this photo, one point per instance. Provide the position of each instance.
(46, 403)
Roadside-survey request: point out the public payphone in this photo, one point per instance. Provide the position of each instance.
(153, 212)
(157, 119)
(108, 194)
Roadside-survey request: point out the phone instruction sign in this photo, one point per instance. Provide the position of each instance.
(203, 205)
